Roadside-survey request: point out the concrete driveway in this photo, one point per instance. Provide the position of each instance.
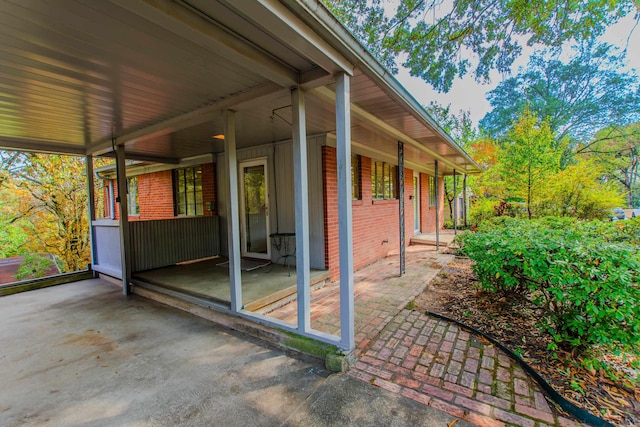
(83, 354)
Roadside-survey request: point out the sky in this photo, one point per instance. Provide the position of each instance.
(467, 94)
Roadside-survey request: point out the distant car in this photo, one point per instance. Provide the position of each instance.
(618, 214)
(635, 213)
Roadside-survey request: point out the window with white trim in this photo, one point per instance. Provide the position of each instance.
(383, 180)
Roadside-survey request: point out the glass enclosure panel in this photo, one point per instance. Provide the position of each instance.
(255, 209)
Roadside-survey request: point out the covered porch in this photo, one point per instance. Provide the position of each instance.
(261, 88)
(265, 286)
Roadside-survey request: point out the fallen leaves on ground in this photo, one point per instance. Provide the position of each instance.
(455, 293)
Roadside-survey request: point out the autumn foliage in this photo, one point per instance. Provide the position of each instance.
(49, 205)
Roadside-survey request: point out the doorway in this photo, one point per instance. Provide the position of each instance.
(416, 204)
(254, 209)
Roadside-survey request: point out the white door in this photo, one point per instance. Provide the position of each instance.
(416, 205)
(254, 209)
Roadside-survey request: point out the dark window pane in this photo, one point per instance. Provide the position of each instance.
(189, 198)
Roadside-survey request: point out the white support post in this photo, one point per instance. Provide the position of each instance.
(455, 203)
(343, 147)
(401, 207)
(301, 191)
(465, 202)
(435, 182)
(233, 211)
(125, 240)
(91, 205)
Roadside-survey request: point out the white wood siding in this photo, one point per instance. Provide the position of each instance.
(280, 173)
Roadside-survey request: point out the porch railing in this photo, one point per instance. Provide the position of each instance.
(156, 243)
(159, 243)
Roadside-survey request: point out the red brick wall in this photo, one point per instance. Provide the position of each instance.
(375, 222)
(114, 185)
(209, 189)
(428, 213)
(155, 194)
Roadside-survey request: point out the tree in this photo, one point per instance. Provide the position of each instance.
(527, 159)
(577, 98)
(435, 38)
(12, 234)
(617, 150)
(578, 191)
(52, 202)
(461, 128)
(484, 150)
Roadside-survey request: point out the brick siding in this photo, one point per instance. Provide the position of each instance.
(155, 194)
(375, 222)
(428, 213)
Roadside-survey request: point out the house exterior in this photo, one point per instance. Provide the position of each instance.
(155, 193)
(233, 125)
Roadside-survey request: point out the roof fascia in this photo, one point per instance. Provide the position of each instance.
(327, 25)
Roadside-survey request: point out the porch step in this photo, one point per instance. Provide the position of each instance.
(430, 239)
(285, 296)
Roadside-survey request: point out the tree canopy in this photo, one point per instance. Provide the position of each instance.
(528, 159)
(578, 98)
(434, 39)
(49, 204)
(617, 151)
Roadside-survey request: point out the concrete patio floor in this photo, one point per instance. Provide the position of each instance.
(83, 354)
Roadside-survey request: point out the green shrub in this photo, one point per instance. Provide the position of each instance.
(584, 276)
(481, 210)
(33, 266)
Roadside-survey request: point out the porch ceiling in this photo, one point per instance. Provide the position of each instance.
(156, 75)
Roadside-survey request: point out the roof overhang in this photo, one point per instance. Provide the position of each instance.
(156, 75)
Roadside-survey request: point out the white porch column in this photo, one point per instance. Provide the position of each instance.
(233, 211)
(435, 182)
(343, 148)
(91, 213)
(465, 202)
(125, 240)
(301, 192)
(401, 207)
(455, 203)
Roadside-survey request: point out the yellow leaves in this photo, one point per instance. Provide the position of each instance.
(49, 193)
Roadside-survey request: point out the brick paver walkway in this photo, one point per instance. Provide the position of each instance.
(427, 359)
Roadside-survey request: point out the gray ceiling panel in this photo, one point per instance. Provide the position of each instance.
(79, 72)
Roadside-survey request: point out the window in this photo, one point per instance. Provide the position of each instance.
(188, 191)
(132, 196)
(432, 191)
(355, 177)
(383, 180)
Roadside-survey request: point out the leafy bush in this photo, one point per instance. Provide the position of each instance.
(448, 225)
(33, 266)
(583, 276)
(482, 209)
(579, 192)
